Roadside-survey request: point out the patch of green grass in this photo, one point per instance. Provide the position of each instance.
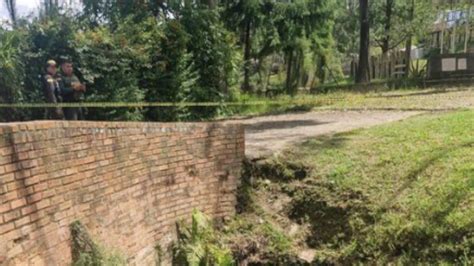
(415, 180)
(402, 99)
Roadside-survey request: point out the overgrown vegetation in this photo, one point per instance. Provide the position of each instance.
(198, 244)
(85, 252)
(178, 51)
(399, 193)
(195, 51)
(394, 194)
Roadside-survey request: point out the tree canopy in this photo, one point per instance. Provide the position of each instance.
(199, 50)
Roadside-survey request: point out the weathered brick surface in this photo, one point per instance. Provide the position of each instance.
(128, 183)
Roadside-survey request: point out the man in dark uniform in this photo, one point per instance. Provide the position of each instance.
(72, 91)
(52, 90)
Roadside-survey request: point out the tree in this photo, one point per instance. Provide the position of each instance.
(363, 69)
(112, 12)
(409, 41)
(246, 14)
(384, 42)
(301, 25)
(107, 60)
(11, 71)
(50, 8)
(212, 54)
(346, 27)
(11, 8)
(390, 23)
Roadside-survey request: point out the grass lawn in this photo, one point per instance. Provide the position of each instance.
(406, 99)
(402, 192)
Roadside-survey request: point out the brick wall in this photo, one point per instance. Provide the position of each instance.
(128, 183)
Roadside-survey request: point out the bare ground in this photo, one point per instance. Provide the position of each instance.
(268, 135)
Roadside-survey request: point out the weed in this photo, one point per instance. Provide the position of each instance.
(198, 244)
(86, 252)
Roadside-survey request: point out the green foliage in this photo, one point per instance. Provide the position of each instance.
(401, 25)
(86, 252)
(346, 27)
(395, 193)
(45, 39)
(212, 54)
(170, 74)
(126, 54)
(11, 70)
(192, 51)
(113, 259)
(198, 244)
(256, 239)
(302, 25)
(107, 63)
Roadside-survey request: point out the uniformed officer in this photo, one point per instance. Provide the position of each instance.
(72, 91)
(52, 90)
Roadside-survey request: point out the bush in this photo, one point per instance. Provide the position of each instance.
(107, 63)
(212, 53)
(189, 58)
(197, 244)
(11, 71)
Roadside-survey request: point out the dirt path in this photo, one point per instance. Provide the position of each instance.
(271, 134)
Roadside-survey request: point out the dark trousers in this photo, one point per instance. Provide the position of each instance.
(53, 114)
(73, 113)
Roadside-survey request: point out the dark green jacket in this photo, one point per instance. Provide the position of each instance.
(67, 92)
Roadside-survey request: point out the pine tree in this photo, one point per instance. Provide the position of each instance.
(363, 70)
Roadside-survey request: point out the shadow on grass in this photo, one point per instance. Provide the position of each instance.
(321, 143)
(425, 93)
(283, 124)
(412, 176)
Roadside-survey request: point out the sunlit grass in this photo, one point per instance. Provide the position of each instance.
(417, 179)
(406, 99)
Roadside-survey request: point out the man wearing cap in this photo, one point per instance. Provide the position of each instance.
(72, 91)
(52, 90)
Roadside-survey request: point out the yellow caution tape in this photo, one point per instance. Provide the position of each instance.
(323, 100)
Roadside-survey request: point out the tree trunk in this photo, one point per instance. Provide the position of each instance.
(11, 7)
(442, 39)
(409, 42)
(210, 3)
(362, 72)
(468, 29)
(408, 56)
(247, 63)
(387, 27)
(288, 73)
(453, 39)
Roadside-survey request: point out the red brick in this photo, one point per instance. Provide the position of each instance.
(20, 222)
(40, 187)
(43, 204)
(27, 210)
(12, 195)
(6, 227)
(34, 198)
(32, 180)
(4, 207)
(106, 170)
(17, 203)
(12, 215)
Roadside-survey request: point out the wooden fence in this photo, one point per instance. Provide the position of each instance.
(388, 66)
